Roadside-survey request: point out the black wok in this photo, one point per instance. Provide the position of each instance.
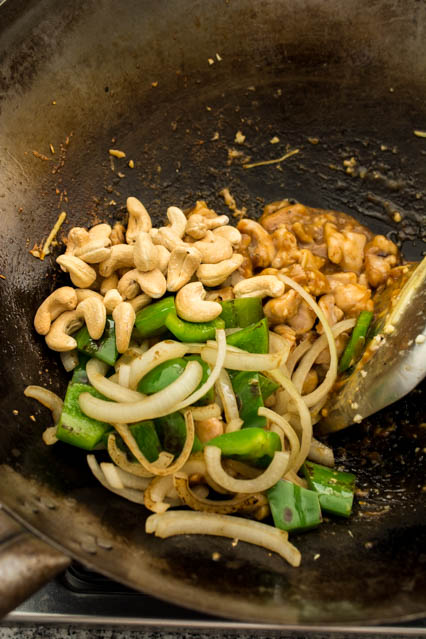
(334, 79)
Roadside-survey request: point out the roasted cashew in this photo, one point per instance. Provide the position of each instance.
(118, 234)
(112, 299)
(163, 256)
(82, 275)
(109, 283)
(214, 248)
(63, 299)
(198, 225)
(84, 293)
(94, 312)
(221, 294)
(261, 248)
(153, 283)
(177, 219)
(230, 233)
(77, 237)
(182, 265)
(280, 309)
(215, 274)
(124, 318)
(59, 338)
(145, 253)
(192, 306)
(96, 249)
(260, 286)
(167, 237)
(139, 219)
(140, 301)
(121, 256)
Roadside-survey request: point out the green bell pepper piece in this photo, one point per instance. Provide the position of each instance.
(253, 338)
(335, 489)
(103, 348)
(79, 375)
(294, 508)
(192, 331)
(254, 445)
(171, 430)
(147, 439)
(267, 386)
(242, 312)
(150, 321)
(247, 389)
(208, 398)
(74, 426)
(162, 375)
(355, 346)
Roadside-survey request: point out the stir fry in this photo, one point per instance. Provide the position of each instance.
(201, 357)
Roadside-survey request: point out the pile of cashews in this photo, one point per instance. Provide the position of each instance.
(119, 271)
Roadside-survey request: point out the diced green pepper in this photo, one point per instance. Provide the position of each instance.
(103, 348)
(192, 331)
(208, 398)
(246, 385)
(150, 321)
(335, 489)
(79, 375)
(293, 507)
(147, 439)
(74, 426)
(267, 386)
(355, 346)
(162, 375)
(253, 338)
(242, 312)
(171, 430)
(254, 445)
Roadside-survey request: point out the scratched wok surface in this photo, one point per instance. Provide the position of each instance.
(334, 80)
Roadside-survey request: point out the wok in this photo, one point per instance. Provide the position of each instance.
(334, 79)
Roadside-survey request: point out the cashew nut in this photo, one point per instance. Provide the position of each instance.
(82, 275)
(214, 248)
(140, 301)
(230, 233)
(118, 234)
(177, 219)
(139, 219)
(215, 274)
(182, 265)
(198, 225)
(192, 306)
(77, 237)
(124, 318)
(153, 283)
(112, 299)
(260, 286)
(261, 248)
(59, 337)
(163, 256)
(145, 253)
(94, 312)
(63, 299)
(168, 238)
(96, 249)
(121, 256)
(221, 294)
(109, 283)
(84, 293)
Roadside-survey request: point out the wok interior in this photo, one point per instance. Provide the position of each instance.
(136, 76)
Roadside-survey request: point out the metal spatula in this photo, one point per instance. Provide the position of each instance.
(396, 358)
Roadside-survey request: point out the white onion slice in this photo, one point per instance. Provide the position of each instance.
(96, 370)
(276, 469)
(119, 458)
(157, 354)
(286, 429)
(49, 435)
(52, 401)
(320, 453)
(299, 352)
(279, 344)
(233, 425)
(124, 375)
(69, 360)
(239, 360)
(205, 412)
(128, 493)
(227, 396)
(252, 532)
(111, 475)
(162, 403)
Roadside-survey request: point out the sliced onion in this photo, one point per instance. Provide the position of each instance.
(69, 360)
(227, 396)
(239, 360)
(96, 370)
(299, 352)
(156, 494)
(305, 417)
(52, 401)
(240, 468)
(252, 532)
(130, 442)
(218, 362)
(128, 493)
(161, 352)
(274, 472)
(193, 348)
(162, 403)
(119, 458)
(124, 375)
(200, 413)
(111, 475)
(320, 453)
(238, 503)
(49, 435)
(295, 479)
(233, 425)
(286, 429)
(279, 344)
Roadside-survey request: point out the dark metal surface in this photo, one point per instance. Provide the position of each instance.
(336, 80)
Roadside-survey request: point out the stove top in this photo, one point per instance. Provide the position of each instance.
(80, 596)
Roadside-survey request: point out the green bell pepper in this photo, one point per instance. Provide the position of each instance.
(171, 430)
(79, 375)
(267, 386)
(74, 426)
(242, 312)
(253, 338)
(247, 389)
(294, 508)
(335, 489)
(150, 321)
(103, 348)
(147, 439)
(208, 398)
(254, 445)
(355, 346)
(192, 331)
(162, 375)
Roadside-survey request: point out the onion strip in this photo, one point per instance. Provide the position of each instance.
(128, 493)
(274, 472)
(96, 370)
(157, 354)
(119, 458)
(227, 396)
(205, 412)
(52, 401)
(239, 360)
(69, 359)
(287, 430)
(320, 453)
(252, 532)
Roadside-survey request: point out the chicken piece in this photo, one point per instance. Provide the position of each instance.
(311, 382)
(381, 255)
(353, 298)
(261, 249)
(279, 309)
(333, 313)
(308, 260)
(303, 320)
(345, 248)
(288, 333)
(287, 251)
(341, 279)
(301, 234)
(313, 280)
(273, 218)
